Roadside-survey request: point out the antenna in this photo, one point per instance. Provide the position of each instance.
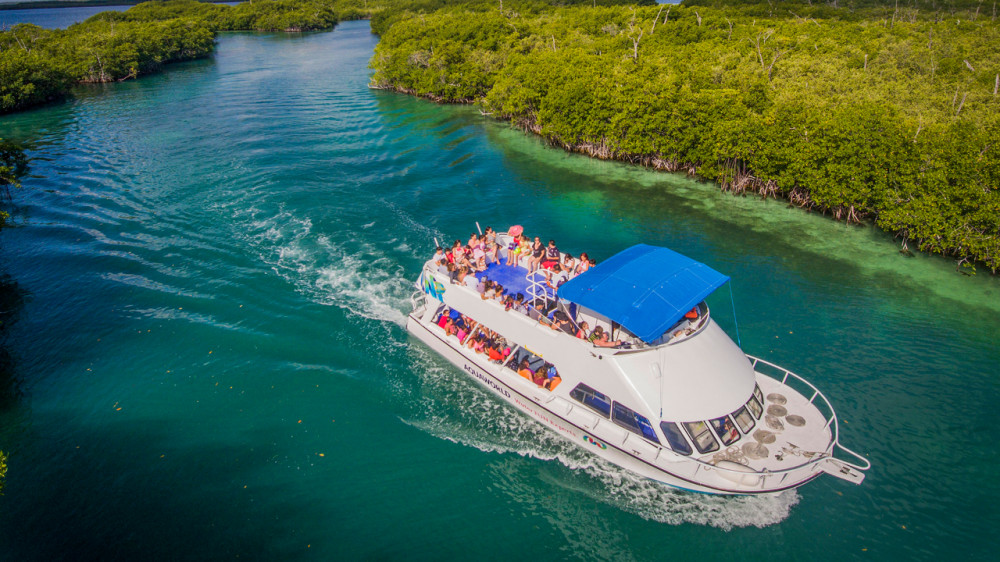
(479, 228)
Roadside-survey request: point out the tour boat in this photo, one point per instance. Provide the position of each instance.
(675, 400)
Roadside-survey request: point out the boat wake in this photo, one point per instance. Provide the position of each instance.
(355, 274)
(456, 409)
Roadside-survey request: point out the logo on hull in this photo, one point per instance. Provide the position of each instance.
(594, 442)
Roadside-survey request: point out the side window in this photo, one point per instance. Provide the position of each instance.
(675, 438)
(754, 406)
(726, 430)
(702, 436)
(629, 419)
(758, 394)
(744, 420)
(592, 399)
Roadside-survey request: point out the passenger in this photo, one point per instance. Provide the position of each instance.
(603, 341)
(457, 252)
(462, 333)
(538, 377)
(537, 253)
(555, 278)
(449, 327)
(537, 312)
(596, 334)
(513, 251)
(479, 258)
(479, 344)
(552, 255)
(492, 248)
(519, 305)
(552, 378)
(569, 265)
(438, 254)
(443, 319)
(584, 263)
(525, 254)
(560, 321)
(495, 354)
(525, 370)
(489, 291)
(470, 280)
(552, 383)
(582, 330)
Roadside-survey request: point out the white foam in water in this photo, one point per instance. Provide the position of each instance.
(361, 279)
(457, 410)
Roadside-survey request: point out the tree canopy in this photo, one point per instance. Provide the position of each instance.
(860, 110)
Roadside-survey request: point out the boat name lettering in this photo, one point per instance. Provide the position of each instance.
(544, 418)
(492, 384)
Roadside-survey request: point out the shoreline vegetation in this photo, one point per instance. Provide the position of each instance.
(39, 65)
(43, 4)
(863, 110)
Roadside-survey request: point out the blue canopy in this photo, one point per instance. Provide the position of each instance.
(645, 288)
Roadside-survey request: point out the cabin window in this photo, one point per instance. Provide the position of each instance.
(744, 420)
(702, 436)
(592, 399)
(758, 394)
(633, 421)
(726, 430)
(755, 407)
(676, 439)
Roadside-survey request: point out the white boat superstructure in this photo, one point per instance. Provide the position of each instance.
(676, 401)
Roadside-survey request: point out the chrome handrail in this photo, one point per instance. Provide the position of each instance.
(830, 421)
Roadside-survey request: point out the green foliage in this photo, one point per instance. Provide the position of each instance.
(3, 470)
(41, 65)
(13, 164)
(868, 111)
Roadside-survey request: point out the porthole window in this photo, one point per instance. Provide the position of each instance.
(676, 439)
(726, 430)
(744, 420)
(702, 436)
(634, 422)
(593, 399)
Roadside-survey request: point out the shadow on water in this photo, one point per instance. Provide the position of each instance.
(12, 298)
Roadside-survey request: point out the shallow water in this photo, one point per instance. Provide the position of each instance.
(204, 300)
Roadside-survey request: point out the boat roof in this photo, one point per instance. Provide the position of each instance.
(646, 289)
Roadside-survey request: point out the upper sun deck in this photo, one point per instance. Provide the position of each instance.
(643, 297)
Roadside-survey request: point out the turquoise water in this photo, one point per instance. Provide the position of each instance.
(204, 354)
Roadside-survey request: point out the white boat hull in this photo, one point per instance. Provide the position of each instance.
(603, 438)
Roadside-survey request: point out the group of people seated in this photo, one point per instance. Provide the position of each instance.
(534, 256)
(473, 335)
(482, 250)
(545, 376)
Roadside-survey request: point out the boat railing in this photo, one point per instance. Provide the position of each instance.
(538, 287)
(829, 414)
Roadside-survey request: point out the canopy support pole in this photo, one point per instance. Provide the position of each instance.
(737, 324)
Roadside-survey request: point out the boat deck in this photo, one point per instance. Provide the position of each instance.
(513, 278)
